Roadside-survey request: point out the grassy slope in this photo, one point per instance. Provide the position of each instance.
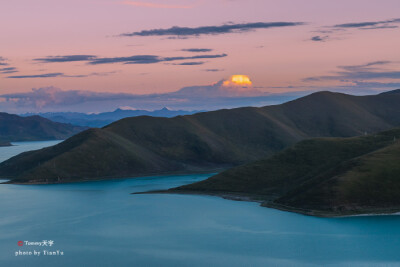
(204, 141)
(324, 175)
(15, 128)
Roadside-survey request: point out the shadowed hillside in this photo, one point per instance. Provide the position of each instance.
(34, 128)
(202, 142)
(324, 176)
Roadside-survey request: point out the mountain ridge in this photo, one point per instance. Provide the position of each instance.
(99, 120)
(205, 141)
(15, 128)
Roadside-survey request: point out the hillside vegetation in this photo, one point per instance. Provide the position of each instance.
(14, 128)
(323, 176)
(205, 141)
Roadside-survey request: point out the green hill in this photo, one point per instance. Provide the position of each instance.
(205, 141)
(324, 176)
(14, 128)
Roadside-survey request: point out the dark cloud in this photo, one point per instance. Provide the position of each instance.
(46, 75)
(60, 74)
(319, 38)
(378, 85)
(141, 59)
(2, 61)
(340, 31)
(149, 59)
(102, 73)
(384, 24)
(212, 30)
(190, 63)
(195, 57)
(8, 70)
(213, 70)
(380, 27)
(137, 59)
(358, 73)
(367, 66)
(68, 58)
(197, 50)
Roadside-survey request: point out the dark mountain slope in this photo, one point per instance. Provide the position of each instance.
(15, 128)
(326, 176)
(204, 141)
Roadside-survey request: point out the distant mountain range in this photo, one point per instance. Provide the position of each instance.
(205, 141)
(324, 176)
(207, 97)
(33, 128)
(103, 119)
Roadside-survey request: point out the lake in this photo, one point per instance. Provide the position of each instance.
(102, 224)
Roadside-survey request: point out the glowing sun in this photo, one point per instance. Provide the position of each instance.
(238, 80)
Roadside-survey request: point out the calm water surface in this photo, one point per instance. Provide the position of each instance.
(101, 224)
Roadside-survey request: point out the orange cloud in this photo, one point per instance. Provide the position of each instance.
(238, 80)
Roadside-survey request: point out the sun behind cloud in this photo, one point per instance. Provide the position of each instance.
(238, 80)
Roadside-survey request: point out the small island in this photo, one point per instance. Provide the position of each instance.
(2, 144)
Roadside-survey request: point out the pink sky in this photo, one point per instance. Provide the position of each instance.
(273, 58)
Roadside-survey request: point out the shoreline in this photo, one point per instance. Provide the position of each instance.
(263, 200)
(268, 203)
(10, 180)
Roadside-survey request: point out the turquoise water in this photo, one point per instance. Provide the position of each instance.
(101, 224)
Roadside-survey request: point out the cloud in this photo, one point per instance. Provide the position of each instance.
(197, 50)
(136, 59)
(46, 75)
(367, 66)
(357, 73)
(68, 58)
(340, 31)
(213, 70)
(212, 30)
(384, 24)
(190, 63)
(141, 59)
(319, 38)
(51, 99)
(149, 59)
(206, 97)
(380, 27)
(378, 85)
(60, 74)
(8, 70)
(154, 5)
(52, 96)
(2, 63)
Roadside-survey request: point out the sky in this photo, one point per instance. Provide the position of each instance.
(120, 47)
